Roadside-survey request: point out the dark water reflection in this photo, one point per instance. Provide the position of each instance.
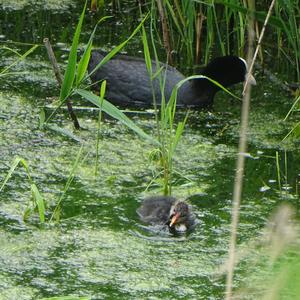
(100, 248)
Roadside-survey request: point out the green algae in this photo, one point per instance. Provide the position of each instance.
(99, 245)
(45, 4)
(100, 248)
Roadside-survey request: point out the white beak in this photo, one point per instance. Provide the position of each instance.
(251, 80)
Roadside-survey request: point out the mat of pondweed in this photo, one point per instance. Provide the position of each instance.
(100, 248)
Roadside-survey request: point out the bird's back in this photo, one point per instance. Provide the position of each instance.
(156, 210)
(128, 81)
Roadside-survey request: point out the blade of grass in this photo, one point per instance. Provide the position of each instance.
(118, 48)
(170, 105)
(295, 104)
(71, 67)
(178, 134)
(67, 298)
(11, 50)
(295, 131)
(84, 60)
(62, 131)
(14, 73)
(77, 162)
(22, 57)
(16, 162)
(102, 93)
(39, 202)
(114, 112)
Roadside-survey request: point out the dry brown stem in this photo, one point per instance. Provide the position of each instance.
(60, 80)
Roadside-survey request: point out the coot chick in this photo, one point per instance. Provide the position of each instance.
(166, 210)
(128, 82)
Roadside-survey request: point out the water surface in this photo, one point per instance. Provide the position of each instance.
(100, 248)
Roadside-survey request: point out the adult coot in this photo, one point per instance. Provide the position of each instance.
(166, 210)
(128, 82)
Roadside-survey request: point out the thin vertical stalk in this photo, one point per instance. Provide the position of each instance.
(165, 30)
(199, 26)
(285, 167)
(146, 49)
(239, 173)
(60, 80)
(179, 12)
(238, 184)
(278, 172)
(259, 43)
(101, 99)
(218, 30)
(297, 194)
(159, 122)
(98, 140)
(209, 33)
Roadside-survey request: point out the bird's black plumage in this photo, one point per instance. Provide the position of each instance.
(128, 82)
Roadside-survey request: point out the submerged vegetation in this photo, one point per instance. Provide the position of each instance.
(94, 185)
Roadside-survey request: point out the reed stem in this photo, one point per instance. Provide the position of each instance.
(165, 30)
(60, 80)
(238, 184)
(239, 173)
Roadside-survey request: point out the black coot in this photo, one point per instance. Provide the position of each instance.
(128, 82)
(166, 210)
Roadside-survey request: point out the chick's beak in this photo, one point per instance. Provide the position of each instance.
(174, 219)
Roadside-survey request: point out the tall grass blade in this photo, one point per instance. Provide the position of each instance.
(102, 93)
(63, 131)
(294, 131)
(71, 67)
(278, 171)
(77, 162)
(11, 50)
(22, 57)
(38, 199)
(146, 51)
(67, 298)
(112, 53)
(16, 162)
(114, 112)
(259, 15)
(172, 102)
(178, 134)
(295, 104)
(42, 118)
(14, 74)
(84, 60)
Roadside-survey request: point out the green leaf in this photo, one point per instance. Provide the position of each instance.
(39, 202)
(22, 57)
(78, 160)
(146, 51)
(71, 67)
(42, 118)
(67, 298)
(26, 214)
(118, 48)
(102, 90)
(178, 134)
(15, 163)
(114, 112)
(294, 106)
(84, 61)
(63, 131)
(294, 132)
(259, 15)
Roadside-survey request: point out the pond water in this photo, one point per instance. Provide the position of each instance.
(100, 248)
